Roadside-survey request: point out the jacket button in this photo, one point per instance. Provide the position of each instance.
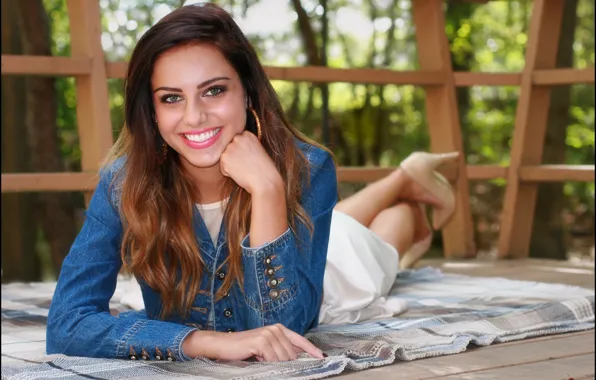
(221, 275)
(158, 354)
(268, 260)
(269, 272)
(132, 355)
(231, 330)
(144, 354)
(273, 282)
(170, 356)
(228, 313)
(274, 294)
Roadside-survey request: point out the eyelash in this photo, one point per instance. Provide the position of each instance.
(221, 90)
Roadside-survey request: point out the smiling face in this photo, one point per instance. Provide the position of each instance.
(200, 103)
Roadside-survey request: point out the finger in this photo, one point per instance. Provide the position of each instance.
(277, 345)
(269, 354)
(284, 341)
(303, 343)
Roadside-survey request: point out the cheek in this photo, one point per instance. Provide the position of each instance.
(234, 116)
(167, 119)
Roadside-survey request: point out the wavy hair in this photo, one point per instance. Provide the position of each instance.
(157, 196)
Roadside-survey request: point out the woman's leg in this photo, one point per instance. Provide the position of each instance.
(368, 203)
(401, 225)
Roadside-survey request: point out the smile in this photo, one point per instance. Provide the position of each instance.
(203, 139)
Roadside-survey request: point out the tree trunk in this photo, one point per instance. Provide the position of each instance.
(457, 13)
(55, 211)
(308, 35)
(19, 259)
(313, 56)
(548, 232)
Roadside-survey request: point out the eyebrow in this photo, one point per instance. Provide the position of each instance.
(205, 83)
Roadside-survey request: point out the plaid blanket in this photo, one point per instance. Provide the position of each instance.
(447, 312)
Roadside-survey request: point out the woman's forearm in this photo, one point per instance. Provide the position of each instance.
(201, 343)
(269, 218)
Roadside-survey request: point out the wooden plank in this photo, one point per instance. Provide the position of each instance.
(369, 174)
(116, 69)
(48, 182)
(362, 174)
(443, 119)
(380, 76)
(464, 79)
(530, 129)
(86, 181)
(557, 173)
(42, 65)
(555, 77)
(327, 75)
(372, 76)
(93, 109)
(486, 172)
(569, 367)
(486, 360)
(549, 271)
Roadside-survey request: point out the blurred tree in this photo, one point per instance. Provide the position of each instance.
(370, 124)
(548, 231)
(54, 212)
(19, 256)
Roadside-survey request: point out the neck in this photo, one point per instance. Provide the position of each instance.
(209, 183)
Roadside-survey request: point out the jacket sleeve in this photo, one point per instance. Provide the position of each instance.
(79, 320)
(283, 279)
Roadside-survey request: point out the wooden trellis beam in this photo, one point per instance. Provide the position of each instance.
(443, 120)
(93, 108)
(530, 129)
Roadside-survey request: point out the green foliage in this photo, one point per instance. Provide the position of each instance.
(372, 125)
(65, 86)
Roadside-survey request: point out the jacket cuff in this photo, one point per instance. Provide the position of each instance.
(271, 272)
(268, 248)
(140, 340)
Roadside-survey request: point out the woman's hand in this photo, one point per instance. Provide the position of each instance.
(246, 162)
(270, 343)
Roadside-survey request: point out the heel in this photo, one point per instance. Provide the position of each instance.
(420, 166)
(442, 215)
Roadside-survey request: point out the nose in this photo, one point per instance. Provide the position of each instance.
(194, 115)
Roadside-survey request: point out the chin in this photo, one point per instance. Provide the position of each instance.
(201, 161)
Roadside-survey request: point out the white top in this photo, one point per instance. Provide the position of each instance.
(212, 214)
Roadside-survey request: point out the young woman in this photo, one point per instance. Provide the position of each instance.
(225, 215)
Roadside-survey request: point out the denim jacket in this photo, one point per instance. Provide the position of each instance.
(283, 280)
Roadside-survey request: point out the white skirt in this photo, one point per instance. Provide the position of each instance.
(360, 272)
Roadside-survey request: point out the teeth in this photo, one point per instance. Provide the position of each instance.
(202, 137)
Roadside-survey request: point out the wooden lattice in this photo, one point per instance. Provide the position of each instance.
(87, 64)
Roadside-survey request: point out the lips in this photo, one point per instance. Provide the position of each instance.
(202, 139)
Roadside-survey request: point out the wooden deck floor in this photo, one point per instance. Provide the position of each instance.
(557, 357)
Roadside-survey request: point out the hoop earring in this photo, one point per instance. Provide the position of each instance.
(257, 122)
(164, 153)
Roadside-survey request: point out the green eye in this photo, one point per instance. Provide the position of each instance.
(170, 98)
(215, 91)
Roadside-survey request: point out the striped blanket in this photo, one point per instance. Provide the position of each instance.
(446, 314)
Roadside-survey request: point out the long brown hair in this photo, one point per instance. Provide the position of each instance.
(157, 198)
